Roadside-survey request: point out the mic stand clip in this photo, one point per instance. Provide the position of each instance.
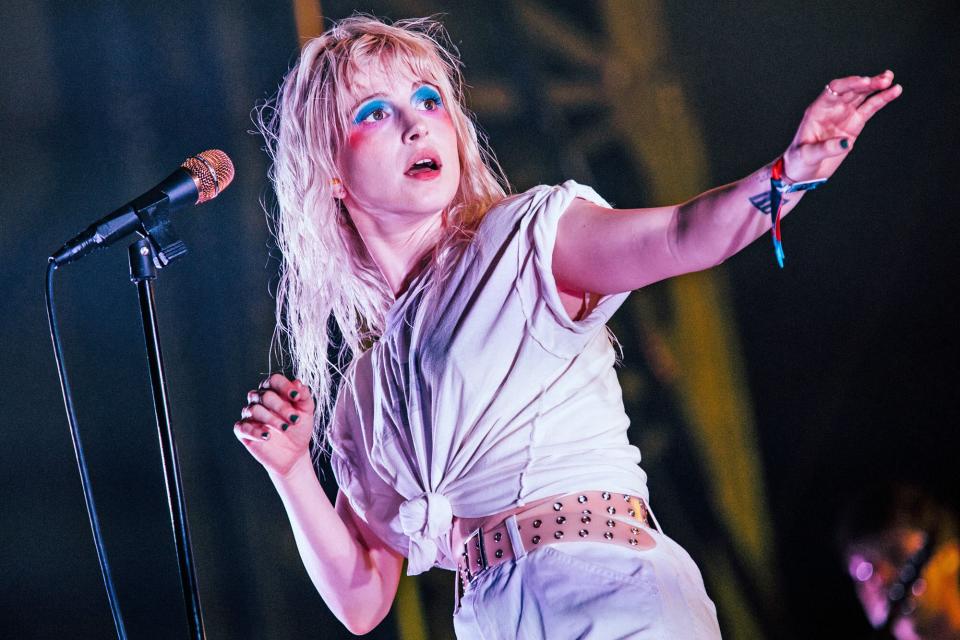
(159, 231)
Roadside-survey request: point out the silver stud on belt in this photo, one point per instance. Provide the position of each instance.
(585, 518)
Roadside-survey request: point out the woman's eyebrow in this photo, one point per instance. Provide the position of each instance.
(423, 82)
(378, 94)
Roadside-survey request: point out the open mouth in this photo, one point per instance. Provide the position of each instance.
(423, 166)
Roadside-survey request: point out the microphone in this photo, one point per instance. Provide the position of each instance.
(200, 178)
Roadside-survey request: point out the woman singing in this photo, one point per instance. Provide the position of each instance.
(479, 425)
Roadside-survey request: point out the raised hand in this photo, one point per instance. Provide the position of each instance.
(831, 124)
(277, 423)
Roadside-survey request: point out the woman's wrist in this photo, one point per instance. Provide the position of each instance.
(303, 464)
(788, 164)
(795, 170)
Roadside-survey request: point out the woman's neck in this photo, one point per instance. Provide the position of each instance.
(399, 246)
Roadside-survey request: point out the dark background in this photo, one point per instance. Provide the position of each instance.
(849, 352)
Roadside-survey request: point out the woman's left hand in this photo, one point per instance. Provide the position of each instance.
(831, 124)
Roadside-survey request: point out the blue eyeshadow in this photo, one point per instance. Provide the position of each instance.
(426, 93)
(369, 108)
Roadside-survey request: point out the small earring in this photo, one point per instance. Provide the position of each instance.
(334, 182)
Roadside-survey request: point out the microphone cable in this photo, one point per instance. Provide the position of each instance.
(81, 460)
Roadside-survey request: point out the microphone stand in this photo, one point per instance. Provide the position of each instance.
(144, 265)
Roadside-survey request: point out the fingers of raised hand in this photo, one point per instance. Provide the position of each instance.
(294, 390)
(841, 89)
(271, 400)
(259, 413)
(277, 409)
(879, 100)
(249, 431)
(852, 87)
(277, 382)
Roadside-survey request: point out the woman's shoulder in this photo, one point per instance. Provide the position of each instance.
(506, 213)
(515, 202)
(502, 217)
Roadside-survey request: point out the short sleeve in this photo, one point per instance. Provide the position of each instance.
(547, 320)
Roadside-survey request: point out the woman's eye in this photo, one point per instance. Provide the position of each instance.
(372, 113)
(428, 99)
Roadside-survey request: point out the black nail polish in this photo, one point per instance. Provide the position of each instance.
(844, 143)
(294, 394)
(284, 426)
(294, 417)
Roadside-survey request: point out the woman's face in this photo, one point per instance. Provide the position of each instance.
(400, 161)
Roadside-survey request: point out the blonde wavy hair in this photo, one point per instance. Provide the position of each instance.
(326, 273)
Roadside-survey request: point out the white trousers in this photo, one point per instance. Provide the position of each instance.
(590, 590)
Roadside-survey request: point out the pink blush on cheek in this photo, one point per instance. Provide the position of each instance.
(440, 114)
(358, 137)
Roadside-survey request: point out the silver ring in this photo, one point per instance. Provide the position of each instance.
(831, 91)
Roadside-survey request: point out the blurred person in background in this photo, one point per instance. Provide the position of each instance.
(901, 548)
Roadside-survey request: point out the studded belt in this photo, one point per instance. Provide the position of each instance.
(590, 516)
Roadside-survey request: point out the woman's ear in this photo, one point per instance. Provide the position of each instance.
(337, 187)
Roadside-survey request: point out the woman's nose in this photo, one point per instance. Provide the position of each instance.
(416, 129)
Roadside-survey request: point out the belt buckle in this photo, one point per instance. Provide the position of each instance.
(476, 539)
(464, 575)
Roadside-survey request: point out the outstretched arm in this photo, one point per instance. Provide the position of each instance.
(607, 251)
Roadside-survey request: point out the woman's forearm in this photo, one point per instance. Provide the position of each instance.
(715, 225)
(604, 251)
(337, 562)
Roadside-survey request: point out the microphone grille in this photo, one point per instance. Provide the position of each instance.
(212, 172)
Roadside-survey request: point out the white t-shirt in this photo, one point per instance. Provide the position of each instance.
(490, 399)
